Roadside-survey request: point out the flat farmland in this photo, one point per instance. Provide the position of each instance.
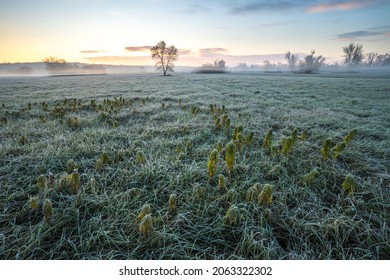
(124, 167)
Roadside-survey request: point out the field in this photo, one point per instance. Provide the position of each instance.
(139, 141)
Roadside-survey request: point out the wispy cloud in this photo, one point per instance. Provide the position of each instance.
(138, 48)
(256, 6)
(92, 51)
(209, 51)
(186, 52)
(341, 5)
(309, 6)
(369, 34)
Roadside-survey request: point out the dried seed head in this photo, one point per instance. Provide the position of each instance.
(23, 140)
(253, 192)
(198, 191)
(326, 148)
(172, 202)
(47, 210)
(140, 157)
(41, 182)
(265, 196)
(311, 177)
(230, 156)
(212, 163)
(349, 184)
(34, 203)
(336, 151)
(232, 216)
(221, 182)
(71, 165)
(267, 142)
(304, 135)
(146, 224)
(294, 136)
(351, 135)
(231, 195)
(146, 209)
(73, 181)
(287, 145)
(219, 146)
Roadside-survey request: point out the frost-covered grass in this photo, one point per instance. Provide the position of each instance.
(159, 146)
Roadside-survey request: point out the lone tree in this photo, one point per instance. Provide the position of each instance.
(164, 57)
(353, 54)
(292, 59)
(312, 63)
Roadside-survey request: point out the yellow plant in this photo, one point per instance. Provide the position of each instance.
(232, 216)
(73, 181)
(73, 122)
(140, 157)
(325, 151)
(253, 192)
(240, 141)
(221, 182)
(349, 184)
(294, 136)
(351, 135)
(145, 210)
(231, 195)
(47, 210)
(249, 138)
(304, 135)
(311, 177)
(219, 146)
(172, 202)
(336, 151)
(23, 140)
(146, 224)
(34, 204)
(41, 182)
(265, 196)
(287, 145)
(212, 163)
(230, 156)
(198, 191)
(267, 142)
(71, 165)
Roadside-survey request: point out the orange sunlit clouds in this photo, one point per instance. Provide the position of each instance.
(343, 6)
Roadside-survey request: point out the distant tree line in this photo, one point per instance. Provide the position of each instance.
(354, 56)
(60, 66)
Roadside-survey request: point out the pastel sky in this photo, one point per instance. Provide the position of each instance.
(250, 31)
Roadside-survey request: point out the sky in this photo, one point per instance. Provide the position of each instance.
(246, 31)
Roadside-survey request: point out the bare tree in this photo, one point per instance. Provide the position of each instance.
(164, 57)
(353, 54)
(312, 63)
(371, 58)
(292, 59)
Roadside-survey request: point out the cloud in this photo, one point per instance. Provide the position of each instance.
(138, 48)
(92, 51)
(256, 6)
(185, 52)
(209, 51)
(362, 34)
(340, 5)
(310, 6)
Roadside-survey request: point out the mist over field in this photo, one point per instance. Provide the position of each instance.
(241, 165)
